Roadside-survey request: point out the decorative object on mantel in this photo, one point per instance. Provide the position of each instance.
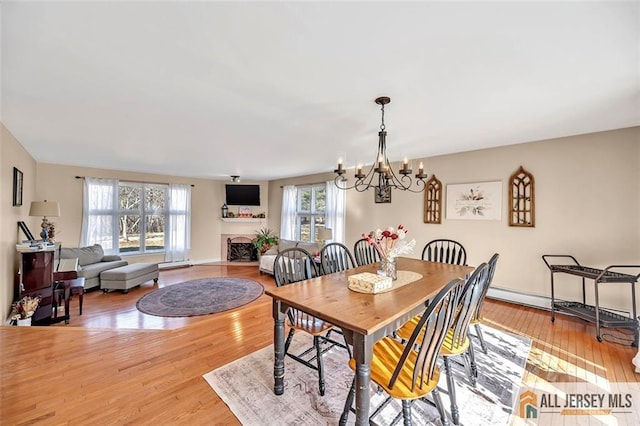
(381, 167)
(433, 201)
(390, 244)
(521, 199)
(23, 309)
(225, 211)
(17, 187)
(45, 208)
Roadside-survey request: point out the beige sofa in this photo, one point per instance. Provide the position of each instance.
(92, 261)
(268, 258)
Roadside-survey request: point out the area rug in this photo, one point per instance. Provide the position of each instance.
(246, 386)
(200, 297)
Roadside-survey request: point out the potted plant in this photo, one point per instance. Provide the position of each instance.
(24, 309)
(264, 240)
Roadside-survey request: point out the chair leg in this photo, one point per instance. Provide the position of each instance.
(288, 341)
(483, 345)
(316, 343)
(406, 412)
(438, 401)
(348, 403)
(451, 387)
(472, 366)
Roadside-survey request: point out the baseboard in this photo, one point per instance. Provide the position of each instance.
(513, 296)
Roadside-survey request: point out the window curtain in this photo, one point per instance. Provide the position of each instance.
(178, 225)
(288, 215)
(335, 211)
(99, 218)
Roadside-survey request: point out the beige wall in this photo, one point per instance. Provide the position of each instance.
(59, 183)
(12, 154)
(587, 205)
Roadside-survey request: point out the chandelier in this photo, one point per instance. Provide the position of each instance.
(381, 176)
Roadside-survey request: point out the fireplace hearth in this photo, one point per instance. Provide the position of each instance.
(241, 249)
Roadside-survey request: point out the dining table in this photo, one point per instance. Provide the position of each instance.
(363, 317)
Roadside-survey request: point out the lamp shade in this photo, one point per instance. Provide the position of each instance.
(44, 208)
(325, 234)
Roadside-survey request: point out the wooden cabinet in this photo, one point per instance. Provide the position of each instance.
(35, 278)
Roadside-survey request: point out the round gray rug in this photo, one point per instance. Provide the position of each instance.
(200, 297)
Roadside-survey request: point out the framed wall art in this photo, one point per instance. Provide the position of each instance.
(17, 187)
(475, 201)
(433, 201)
(382, 195)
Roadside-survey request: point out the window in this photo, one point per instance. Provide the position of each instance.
(141, 217)
(133, 217)
(310, 212)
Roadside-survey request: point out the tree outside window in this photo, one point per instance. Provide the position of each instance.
(142, 217)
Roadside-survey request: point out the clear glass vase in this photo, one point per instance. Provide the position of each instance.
(388, 268)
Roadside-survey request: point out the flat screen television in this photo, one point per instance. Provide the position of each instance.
(243, 195)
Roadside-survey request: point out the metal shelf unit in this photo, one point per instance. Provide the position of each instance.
(601, 317)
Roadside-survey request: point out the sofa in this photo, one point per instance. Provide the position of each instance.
(268, 258)
(91, 262)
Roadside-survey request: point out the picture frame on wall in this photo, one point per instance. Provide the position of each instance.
(382, 195)
(17, 187)
(475, 201)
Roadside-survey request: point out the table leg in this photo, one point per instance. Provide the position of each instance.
(362, 353)
(278, 348)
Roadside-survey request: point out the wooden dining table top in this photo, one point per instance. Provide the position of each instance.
(329, 297)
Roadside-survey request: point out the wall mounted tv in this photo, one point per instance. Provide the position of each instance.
(243, 195)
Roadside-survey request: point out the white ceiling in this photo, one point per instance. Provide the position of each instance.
(268, 90)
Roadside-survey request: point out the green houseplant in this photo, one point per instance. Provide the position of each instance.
(264, 240)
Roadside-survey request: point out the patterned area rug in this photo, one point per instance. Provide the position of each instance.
(200, 297)
(246, 386)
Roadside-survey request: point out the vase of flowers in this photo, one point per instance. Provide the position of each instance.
(390, 244)
(24, 309)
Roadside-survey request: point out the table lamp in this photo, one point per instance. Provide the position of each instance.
(44, 208)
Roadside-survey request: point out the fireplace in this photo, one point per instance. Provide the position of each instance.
(241, 249)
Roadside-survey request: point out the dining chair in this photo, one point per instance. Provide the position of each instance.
(457, 342)
(365, 253)
(477, 316)
(408, 374)
(290, 266)
(445, 251)
(335, 257)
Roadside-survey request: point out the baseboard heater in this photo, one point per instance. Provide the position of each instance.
(520, 298)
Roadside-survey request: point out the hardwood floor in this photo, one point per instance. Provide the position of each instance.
(115, 365)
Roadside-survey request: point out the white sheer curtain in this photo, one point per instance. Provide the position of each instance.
(288, 215)
(178, 225)
(99, 221)
(334, 211)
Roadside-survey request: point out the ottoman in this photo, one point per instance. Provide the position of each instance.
(126, 277)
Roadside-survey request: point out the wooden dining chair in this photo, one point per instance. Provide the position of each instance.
(477, 316)
(335, 257)
(290, 266)
(408, 374)
(365, 253)
(457, 342)
(445, 251)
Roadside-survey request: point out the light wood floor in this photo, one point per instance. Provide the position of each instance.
(114, 365)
